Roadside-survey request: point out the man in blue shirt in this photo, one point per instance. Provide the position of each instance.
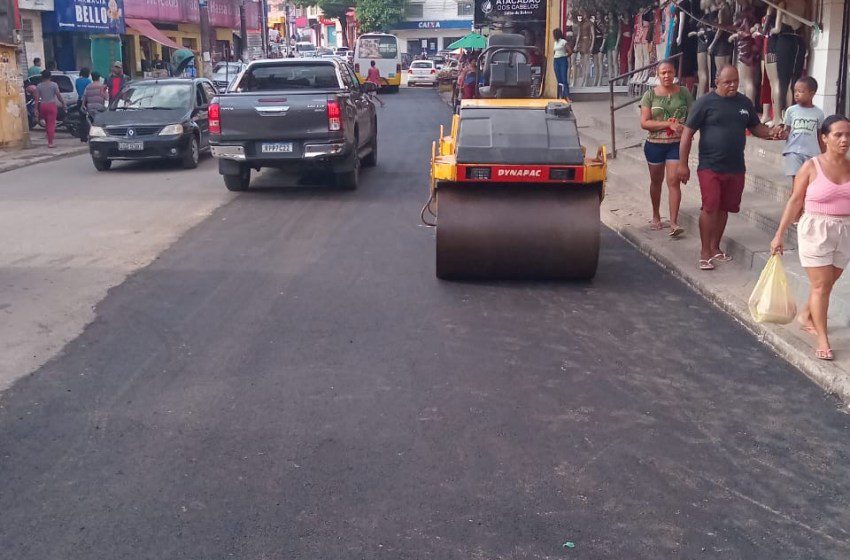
(82, 82)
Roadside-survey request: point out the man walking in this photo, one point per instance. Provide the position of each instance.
(116, 80)
(722, 118)
(35, 69)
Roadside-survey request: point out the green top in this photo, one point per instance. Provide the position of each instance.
(610, 39)
(666, 107)
(34, 71)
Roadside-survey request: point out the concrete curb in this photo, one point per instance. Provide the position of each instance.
(831, 378)
(71, 152)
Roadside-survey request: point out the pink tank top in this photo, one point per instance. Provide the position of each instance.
(825, 197)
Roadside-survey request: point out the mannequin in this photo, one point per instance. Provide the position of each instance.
(570, 37)
(721, 48)
(624, 43)
(611, 45)
(659, 31)
(639, 46)
(598, 48)
(584, 46)
(790, 53)
(771, 69)
(671, 29)
(686, 39)
(749, 57)
(704, 36)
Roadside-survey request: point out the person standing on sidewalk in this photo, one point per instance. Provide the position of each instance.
(560, 60)
(663, 111)
(822, 189)
(722, 118)
(48, 105)
(116, 80)
(80, 85)
(94, 101)
(35, 69)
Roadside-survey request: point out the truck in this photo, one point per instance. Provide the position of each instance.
(295, 114)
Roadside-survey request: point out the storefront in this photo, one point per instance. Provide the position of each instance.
(32, 32)
(68, 30)
(430, 35)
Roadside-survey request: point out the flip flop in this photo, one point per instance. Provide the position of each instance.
(656, 226)
(676, 231)
(824, 354)
(722, 257)
(706, 264)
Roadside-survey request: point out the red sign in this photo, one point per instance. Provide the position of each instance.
(222, 13)
(520, 174)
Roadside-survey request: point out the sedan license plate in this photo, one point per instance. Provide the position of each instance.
(276, 147)
(131, 146)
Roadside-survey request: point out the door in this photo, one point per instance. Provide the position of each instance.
(204, 93)
(361, 103)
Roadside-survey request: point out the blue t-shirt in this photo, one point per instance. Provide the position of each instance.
(80, 85)
(804, 123)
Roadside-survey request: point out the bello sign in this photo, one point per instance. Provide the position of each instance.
(94, 16)
(506, 11)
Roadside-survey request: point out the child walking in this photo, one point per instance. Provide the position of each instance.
(800, 127)
(374, 76)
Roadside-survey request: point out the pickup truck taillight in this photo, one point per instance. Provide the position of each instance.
(215, 118)
(334, 115)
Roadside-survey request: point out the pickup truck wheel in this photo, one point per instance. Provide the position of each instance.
(349, 179)
(101, 164)
(238, 182)
(372, 159)
(192, 154)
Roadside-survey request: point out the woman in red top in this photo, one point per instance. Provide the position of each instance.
(374, 76)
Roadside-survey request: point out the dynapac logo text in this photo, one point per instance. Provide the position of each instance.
(519, 173)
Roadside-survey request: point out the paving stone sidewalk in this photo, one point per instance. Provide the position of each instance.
(65, 146)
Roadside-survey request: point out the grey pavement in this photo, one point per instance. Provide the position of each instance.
(65, 145)
(289, 381)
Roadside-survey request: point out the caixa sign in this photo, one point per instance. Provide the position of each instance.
(435, 24)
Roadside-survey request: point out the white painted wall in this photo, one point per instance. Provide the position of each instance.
(824, 61)
(34, 48)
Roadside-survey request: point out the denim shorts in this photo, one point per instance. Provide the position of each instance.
(657, 153)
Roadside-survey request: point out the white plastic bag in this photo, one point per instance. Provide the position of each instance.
(772, 300)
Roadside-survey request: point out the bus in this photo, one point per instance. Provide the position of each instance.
(383, 49)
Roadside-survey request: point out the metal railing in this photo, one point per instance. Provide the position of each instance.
(612, 81)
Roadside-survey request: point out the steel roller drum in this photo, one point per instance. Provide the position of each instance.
(517, 231)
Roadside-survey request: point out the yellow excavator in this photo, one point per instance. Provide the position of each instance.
(512, 194)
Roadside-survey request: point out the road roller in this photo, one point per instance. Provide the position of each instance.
(513, 194)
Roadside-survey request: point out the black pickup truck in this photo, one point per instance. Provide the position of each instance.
(297, 114)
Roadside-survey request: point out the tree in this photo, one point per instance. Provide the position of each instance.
(333, 9)
(379, 15)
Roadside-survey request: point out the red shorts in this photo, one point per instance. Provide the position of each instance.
(721, 191)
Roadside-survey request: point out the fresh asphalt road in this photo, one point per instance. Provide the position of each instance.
(290, 381)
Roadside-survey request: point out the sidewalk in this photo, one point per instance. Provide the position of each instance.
(626, 209)
(65, 146)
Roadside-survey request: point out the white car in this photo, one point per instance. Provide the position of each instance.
(422, 72)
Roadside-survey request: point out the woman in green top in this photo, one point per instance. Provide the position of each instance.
(663, 111)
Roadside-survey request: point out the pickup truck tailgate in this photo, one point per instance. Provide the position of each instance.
(275, 116)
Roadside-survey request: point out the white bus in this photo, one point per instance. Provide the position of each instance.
(383, 49)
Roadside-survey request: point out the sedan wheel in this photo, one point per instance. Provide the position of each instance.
(192, 154)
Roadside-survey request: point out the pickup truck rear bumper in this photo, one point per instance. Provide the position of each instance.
(232, 156)
(309, 151)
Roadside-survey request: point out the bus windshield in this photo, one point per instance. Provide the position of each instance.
(378, 47)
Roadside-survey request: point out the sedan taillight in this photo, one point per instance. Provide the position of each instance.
(433, 71)
(215, 117)
(334, 115)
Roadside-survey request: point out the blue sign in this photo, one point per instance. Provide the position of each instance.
(93, 16)
(436, 24)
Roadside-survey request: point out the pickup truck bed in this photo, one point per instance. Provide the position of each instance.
(291, 113)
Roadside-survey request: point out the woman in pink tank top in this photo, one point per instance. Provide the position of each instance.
(822, 194)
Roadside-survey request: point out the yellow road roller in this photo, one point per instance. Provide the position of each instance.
(513, 195)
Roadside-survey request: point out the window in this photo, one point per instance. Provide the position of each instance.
(414, 11)
(209, 91)
(64, 82)
(276, 77)
(381, 46)
(464, 8)
(200, 97)
(26, 30)
(153, 95)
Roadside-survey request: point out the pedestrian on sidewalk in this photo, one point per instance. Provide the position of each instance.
(801, 127)
(80, 85)
(35, 69)
(116, 80)
(50, 99)
(374, 76)
(822, 192)
(722, 118)
(560, 61)
(663, 112)
(95, 99)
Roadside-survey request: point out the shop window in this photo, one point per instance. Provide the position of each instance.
(414, 11)
(464, 8)
(27, 33)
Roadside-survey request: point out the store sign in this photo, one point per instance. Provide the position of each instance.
(505, 11)
(94, 16)
(435, 24)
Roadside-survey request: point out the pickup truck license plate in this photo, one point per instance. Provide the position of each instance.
(131, 146)
(277, 147)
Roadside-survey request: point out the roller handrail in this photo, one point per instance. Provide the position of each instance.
(614, 107)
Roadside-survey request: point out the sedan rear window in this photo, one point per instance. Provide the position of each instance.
(422, 65)
(274, 77)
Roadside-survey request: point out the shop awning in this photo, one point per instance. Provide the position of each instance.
(147, 29)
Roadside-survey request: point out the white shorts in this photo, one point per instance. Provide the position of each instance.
(823, 240)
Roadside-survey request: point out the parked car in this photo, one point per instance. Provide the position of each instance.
(438, 60)
(305, 48)
(295, 114)
(154, 119)
(225, 73)
(449, 72)
(422, 72)
(65, 83)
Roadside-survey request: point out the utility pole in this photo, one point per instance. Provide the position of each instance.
(243, 31)
(206, 43)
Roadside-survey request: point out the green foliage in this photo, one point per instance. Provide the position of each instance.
(379, 15)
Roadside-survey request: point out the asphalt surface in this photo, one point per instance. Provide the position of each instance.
(289, 380)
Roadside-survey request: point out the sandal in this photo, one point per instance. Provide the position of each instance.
(676, 231)
(656, 226)
(706, 264)
(722, 257)
(824, 354)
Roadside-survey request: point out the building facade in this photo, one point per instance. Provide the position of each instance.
(430, 26)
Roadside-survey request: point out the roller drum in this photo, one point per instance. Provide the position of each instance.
(517, 231)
